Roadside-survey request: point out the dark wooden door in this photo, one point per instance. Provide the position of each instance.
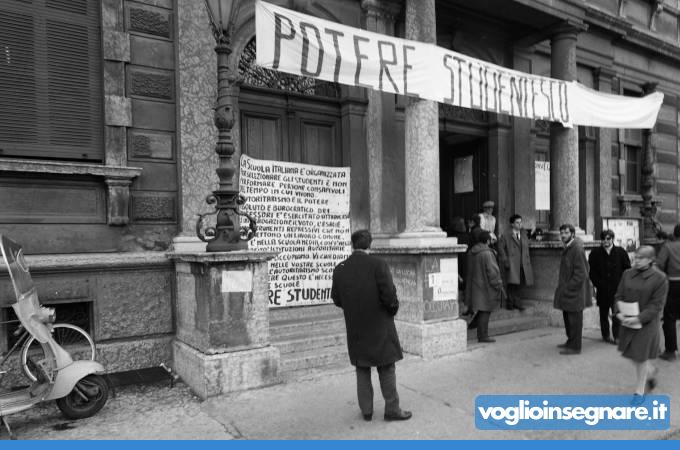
(463, 175)
(291, 128)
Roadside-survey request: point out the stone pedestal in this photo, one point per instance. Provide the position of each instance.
(428, 322)
(222, 341)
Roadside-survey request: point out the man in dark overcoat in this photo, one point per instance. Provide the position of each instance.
(669, 262)
(513, 254)
(639, 336)
(573, 292)
(607, 264)
(363, 288)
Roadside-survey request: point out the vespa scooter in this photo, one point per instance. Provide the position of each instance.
(78, 387)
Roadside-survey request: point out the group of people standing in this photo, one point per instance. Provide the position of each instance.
(493, 270)
(633, 295)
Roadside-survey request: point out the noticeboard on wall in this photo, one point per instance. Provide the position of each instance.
(626, 231)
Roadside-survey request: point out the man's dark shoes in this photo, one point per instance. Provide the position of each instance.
(570, 351)
(609, 340)
(401, 415)
(368, 417)
(486, 340)
(668, 356)
(562, 345)
(519, 308)
(650, 385)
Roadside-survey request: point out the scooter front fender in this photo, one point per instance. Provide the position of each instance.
(68, 376)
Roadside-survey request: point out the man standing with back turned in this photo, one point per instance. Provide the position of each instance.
(363, 288)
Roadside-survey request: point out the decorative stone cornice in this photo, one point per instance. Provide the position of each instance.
(387, 10)
(67, 168)
(118, 180)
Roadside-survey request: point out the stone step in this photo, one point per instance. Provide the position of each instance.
(283, 330)
(315, 358)
(305, 341)
(512, 325)
(303, 312)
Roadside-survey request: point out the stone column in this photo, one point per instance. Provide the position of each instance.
(648, 210)
(197, 74)
(564, 162)
(222, 316)
(422, 139)
(422, 260)
(603, 155)
(380, 17)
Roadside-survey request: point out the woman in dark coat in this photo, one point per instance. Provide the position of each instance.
(484, 285)
(639, 335)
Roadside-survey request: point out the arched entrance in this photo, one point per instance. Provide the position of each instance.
(287, 117)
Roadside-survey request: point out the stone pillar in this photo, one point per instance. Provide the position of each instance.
(422, 139)
(427, 322)
(197, 74)
(564, 162)
(603, 156)
(648, 210)
(222, 341)
(380, 17)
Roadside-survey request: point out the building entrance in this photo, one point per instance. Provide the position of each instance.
(463, 176)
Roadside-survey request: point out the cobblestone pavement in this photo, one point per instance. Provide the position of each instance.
(137, 412)
(440, 392)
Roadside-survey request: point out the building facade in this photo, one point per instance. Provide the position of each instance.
(107, 140)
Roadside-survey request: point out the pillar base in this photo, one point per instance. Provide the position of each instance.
(211, 375)
(188, 244)
(399, 240)
(554, 235)
(433, 339)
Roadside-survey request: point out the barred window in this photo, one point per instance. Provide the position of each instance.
(51, 79)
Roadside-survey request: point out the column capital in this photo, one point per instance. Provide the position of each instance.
(382, 9)
(604, 73)
(650, 87)
(568, 29)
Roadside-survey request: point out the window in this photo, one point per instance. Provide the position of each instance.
(633, 166)
(51, 80)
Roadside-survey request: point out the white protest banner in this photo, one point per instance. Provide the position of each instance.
(304, 45)
(302, 212)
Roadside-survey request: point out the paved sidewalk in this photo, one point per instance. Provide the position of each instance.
(440, 393)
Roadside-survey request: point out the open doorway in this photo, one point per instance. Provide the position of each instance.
(463, 176)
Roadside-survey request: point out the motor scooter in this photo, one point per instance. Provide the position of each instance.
(78, 387)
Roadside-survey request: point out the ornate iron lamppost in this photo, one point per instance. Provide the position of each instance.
(227, 234)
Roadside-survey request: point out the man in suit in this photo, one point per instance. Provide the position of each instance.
(513, 254)
(573, 293)
(363, 288)
(607, 264)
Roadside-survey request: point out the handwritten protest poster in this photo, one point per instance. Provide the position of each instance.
(302, 212)
(542, 185)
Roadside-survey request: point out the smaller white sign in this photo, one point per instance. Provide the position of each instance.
(237, 281)
(462, 175)
(542, 185)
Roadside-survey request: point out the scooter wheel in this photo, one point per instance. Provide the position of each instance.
(86, 399)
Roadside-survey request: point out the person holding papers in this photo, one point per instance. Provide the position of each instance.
(640, 298)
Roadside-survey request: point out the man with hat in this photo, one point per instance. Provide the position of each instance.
(487, 220)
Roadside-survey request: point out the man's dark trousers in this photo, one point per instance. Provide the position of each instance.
(604, 321)
(671, 313)
(388, 386)
(513, 291)
(573, 325)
